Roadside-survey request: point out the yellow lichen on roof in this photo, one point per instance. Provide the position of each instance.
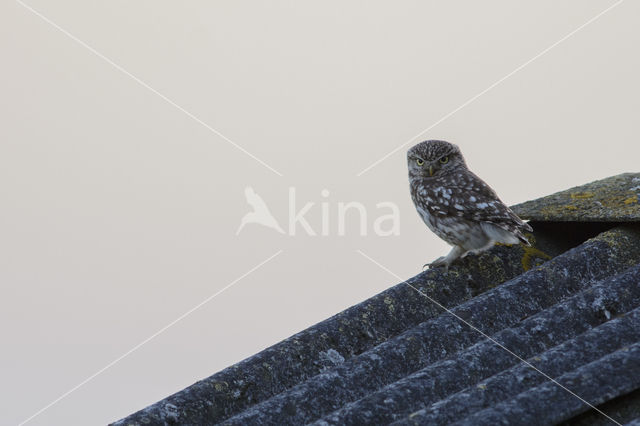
(614, 199)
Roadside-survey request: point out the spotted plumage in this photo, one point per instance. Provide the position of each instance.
(457, 205)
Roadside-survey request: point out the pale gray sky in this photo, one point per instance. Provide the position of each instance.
(120, 211)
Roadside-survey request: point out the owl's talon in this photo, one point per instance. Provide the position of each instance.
(429, 266)
(441, 261)
(438, 262)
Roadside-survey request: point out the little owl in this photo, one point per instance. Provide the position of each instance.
(457, 205)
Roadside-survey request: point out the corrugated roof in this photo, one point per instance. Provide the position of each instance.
(520, 335)
(614, 199)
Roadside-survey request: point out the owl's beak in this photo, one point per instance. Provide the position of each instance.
(430, 170)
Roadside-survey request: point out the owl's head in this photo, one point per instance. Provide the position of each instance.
(434, 158)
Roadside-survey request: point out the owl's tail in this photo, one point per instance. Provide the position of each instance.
(506, 233)
(527, 228)
(523, 239)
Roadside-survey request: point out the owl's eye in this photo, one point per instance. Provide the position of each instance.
(444, 160)
(419, 161)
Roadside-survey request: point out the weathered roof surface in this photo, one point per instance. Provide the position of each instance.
(634, 422)
(568, 306)
(614, 199)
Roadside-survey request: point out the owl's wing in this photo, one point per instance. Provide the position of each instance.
(472, 199)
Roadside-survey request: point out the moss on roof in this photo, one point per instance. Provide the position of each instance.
(614, 199)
